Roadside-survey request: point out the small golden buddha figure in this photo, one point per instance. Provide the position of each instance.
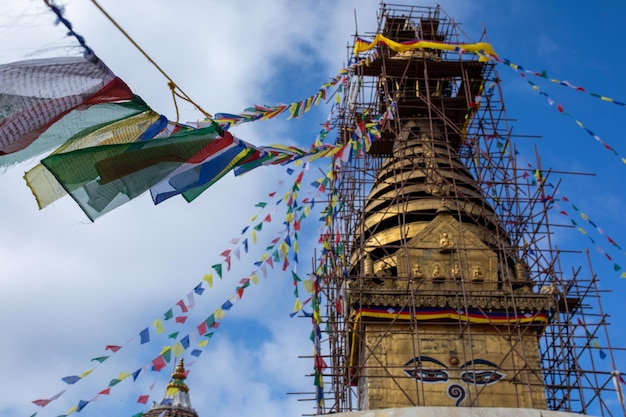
(437, 273)
(444, 242)
(417, 271)
(456, 272)
(477, 273)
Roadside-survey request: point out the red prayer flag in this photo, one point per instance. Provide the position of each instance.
(226, 252)
(158, 363)
(112, 348)
(182, 306)
(181, 319)
(143, 399)
(202, 329)
(105, 391)
(267, 218)
(41, 403)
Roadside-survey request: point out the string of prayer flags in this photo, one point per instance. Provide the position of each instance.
(561, 110)
(561, 198)
(565, 83)
(295, 109)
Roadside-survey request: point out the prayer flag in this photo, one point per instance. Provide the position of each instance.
(144, 335)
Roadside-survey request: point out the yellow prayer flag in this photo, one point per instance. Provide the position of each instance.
(309, 102)
(165, 349)
(123, 375)
(284, 249)
(209, 279)
(295, 246)
(84, 374)
(203, 343)
(219, 313)
(254, 217)
(171, 391)
(178, 349)
(584, 216)
(254, 278)
(71, 410)
(308, 285)
(253, 235)
(298, 305)
(581, 230)
(623, 275)
(317, 317)
(158, 325)
(318, 97)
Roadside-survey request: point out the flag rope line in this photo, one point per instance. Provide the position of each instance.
(172, 84)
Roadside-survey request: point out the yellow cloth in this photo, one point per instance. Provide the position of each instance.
(479, 48)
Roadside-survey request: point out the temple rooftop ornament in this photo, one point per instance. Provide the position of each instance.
(175, 402)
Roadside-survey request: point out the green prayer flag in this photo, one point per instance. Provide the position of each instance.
(218, 269)
(101, 178)
(114, 382)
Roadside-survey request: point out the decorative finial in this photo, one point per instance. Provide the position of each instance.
(178, 377)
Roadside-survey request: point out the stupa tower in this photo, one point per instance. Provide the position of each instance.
(443, 288)
(175, 401)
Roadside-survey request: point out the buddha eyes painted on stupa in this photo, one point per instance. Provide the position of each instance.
(430, 370)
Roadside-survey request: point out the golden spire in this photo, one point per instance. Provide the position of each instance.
(178, 378)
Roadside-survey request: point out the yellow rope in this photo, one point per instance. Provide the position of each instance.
(173, 90)
(173, 86)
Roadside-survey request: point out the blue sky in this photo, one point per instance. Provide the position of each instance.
(69, 287)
